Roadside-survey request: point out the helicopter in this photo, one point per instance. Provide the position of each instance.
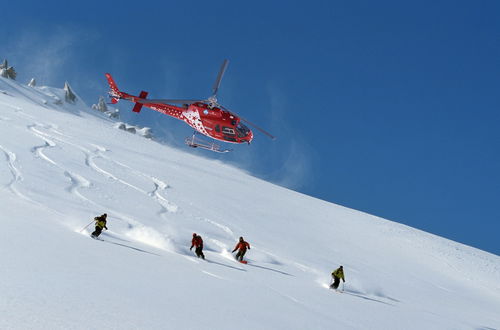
(206, 116)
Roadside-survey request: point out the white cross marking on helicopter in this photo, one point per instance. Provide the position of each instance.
(193, 119)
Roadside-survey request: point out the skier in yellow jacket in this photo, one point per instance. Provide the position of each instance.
(100, 224)
(337, 274)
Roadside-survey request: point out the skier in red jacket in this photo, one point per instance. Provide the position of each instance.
(242, 247)
(197, 241)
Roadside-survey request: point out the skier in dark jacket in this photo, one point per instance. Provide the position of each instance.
(197, 242)
(99, 225)
(242, 247)
(337, 274)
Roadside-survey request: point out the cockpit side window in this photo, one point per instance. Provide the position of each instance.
(228, 130)
(242, 130)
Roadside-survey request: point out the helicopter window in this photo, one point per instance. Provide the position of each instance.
(242, 130)
(217, 128)
(228, 130)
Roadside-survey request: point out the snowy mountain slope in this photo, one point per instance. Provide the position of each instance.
(60, 166)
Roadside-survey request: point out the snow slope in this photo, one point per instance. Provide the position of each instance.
(61, 165)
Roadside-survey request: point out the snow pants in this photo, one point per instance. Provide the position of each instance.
(240, 254)
(336, 282)
(199, 252)
(97, 231)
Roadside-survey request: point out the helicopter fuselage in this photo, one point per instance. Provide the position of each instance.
(210, 121)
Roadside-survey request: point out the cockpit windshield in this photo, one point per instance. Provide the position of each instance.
(242, 130)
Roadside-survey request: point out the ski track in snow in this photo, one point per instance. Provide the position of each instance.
(213, 275)
(224, 228)
(77, 182)
(159, 186)
(16, 108)
(137, 230)
(17, 177)
(167, 207)
(39, 150)
(90, 156)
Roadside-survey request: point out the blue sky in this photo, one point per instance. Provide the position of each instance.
(387, 107)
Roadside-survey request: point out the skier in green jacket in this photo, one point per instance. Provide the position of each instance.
(100, 224)
(337, 274)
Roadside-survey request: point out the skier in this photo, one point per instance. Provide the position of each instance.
(197, 241)
(99, 225)
(241, 246)
(337, 275)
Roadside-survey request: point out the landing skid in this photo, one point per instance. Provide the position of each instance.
(195, 142)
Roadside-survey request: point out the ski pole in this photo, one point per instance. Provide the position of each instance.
(86, 226)
(343, 286)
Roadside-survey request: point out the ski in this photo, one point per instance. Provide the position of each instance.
(337, 291)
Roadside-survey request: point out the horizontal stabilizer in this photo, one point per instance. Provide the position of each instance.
(138, 106)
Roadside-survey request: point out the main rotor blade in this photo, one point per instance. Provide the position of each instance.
(250, 123)
(175, 101)
(223, 68)
(260, 129)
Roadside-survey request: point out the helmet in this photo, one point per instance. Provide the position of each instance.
(194, 234)
(105, 215)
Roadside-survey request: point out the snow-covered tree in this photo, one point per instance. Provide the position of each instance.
(69, 95)
(11, 73)
(7, 71)
(103, 107)
(32, 82)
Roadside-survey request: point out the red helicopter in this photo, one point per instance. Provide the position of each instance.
(206, 116)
